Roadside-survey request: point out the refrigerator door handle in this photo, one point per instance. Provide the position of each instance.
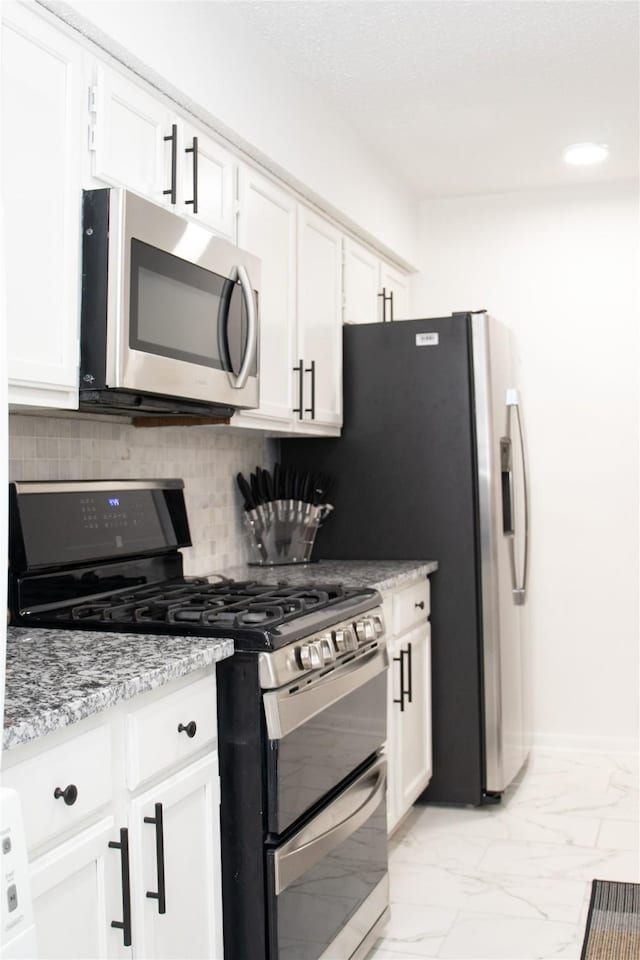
(519, 590)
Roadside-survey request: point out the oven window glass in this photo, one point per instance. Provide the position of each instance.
(180, 310)
(313, 759)
(311, 912)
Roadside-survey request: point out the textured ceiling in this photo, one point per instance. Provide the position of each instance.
(469, 97)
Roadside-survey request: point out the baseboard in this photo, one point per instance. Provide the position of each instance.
(563, 743)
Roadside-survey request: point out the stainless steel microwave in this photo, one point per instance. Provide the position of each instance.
(169, 318)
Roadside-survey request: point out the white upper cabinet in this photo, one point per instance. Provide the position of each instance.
(206, 180)
(362, 300)
(374, 291)
(42, 111)
(127, 137)
(319, 340)
(140, 143)
(300, 310)
(267, 228)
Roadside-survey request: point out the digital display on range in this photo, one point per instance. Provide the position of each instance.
(85, 525)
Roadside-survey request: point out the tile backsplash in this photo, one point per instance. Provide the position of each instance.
(206, 458)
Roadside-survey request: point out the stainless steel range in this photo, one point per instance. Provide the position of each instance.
(301, 704)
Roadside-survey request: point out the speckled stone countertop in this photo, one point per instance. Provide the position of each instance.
(380, 574)
(57, 677)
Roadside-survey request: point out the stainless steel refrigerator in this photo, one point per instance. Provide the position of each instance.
(431, 465)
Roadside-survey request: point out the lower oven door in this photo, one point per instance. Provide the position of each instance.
(328, 883)
(320, 733)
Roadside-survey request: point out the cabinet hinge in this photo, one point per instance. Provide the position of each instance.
(93, 99)
(92, 136)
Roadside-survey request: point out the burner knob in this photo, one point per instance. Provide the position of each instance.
(344, 640)
(365, 630)
(378, 625)
(326, 649)
(310, 656)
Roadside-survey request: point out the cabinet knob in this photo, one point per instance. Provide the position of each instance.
(69, 794)
(189, 729)
(420, 604)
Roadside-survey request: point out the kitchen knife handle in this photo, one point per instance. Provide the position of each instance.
(194, 150)
(299, 369)
(312, 408)
(400, 660)
(173, 137)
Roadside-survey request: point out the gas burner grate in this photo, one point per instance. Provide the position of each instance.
(245, 604)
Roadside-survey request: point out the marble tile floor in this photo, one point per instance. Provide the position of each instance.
(512, 882)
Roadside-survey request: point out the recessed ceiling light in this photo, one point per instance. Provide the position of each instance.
(584, 154)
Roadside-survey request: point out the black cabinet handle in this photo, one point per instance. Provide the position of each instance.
(400, 660)
(384, 303)
(194, 150)
(420, 604)
(312, 408)
(409, 655)
(189, 729)
(173, 137)
(69, 794)
(299, 369)
(160, 894)
(386, 299)
(125, 923)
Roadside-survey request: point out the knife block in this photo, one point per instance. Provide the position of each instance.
(283, 531)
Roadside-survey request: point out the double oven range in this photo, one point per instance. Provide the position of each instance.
(301, 704)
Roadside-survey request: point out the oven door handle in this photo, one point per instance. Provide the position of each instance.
(239, 273)
(335, 824)
(286, 711)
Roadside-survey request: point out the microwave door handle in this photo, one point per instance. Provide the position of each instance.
(240, 273)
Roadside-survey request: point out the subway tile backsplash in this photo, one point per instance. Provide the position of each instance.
(206, 458)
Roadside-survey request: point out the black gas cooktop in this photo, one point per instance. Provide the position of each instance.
(100, 555)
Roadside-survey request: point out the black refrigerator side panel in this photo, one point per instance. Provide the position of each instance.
(405, 489)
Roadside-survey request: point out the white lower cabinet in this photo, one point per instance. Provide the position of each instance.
(119, 872)
(409, 750)
(175, 864)
(76, 894)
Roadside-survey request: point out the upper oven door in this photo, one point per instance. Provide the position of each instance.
(319, 733)
(182, 314)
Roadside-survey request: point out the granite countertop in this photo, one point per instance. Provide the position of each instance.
(379, 574)
(56, 677)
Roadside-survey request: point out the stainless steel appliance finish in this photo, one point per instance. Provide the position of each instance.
(431, 465)
(169, 309)
(301, 704)
(503, 537)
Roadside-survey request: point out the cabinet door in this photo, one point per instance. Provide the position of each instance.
(397, 283)
(128, 138)
(77, 892)
(394, 719)
(362, 303)
(267, 228)
(209, 170)
(414, 744)
(319, 338)
(42, 143)
(189, 806)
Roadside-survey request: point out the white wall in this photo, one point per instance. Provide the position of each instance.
(560, 267)
(204, 50)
